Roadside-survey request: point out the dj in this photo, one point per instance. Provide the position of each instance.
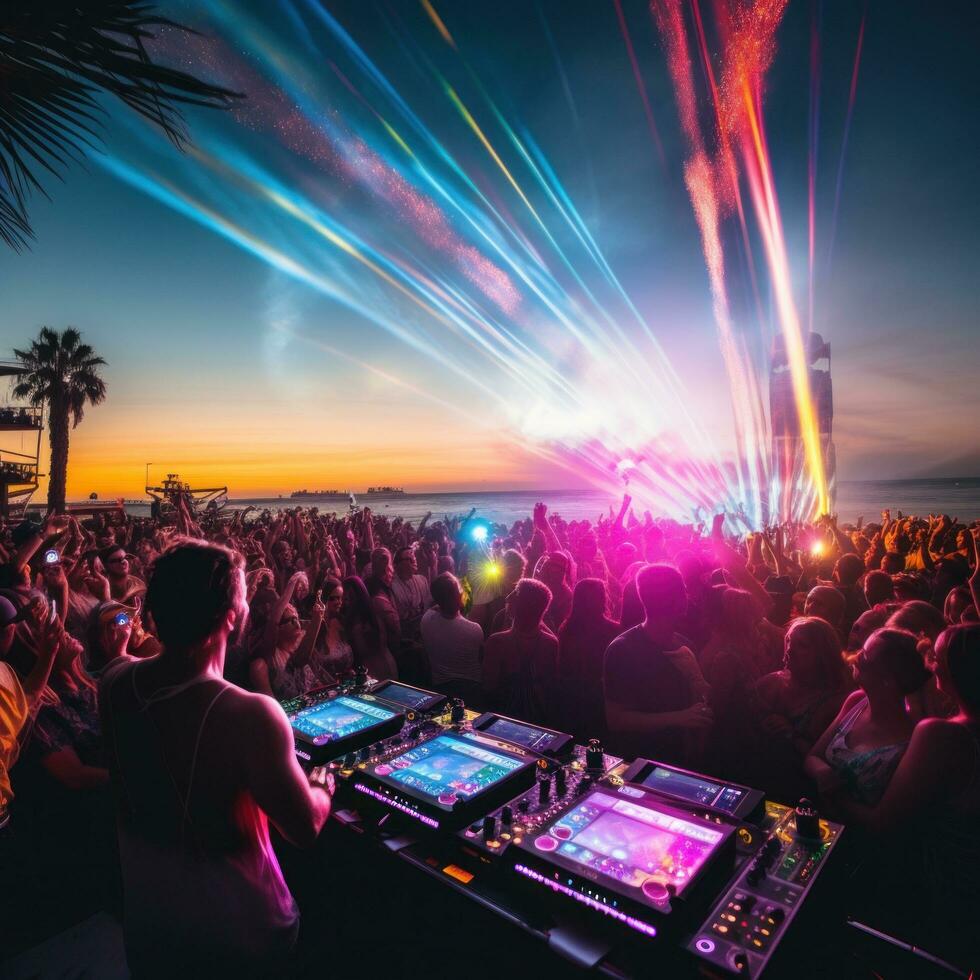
(198, 767)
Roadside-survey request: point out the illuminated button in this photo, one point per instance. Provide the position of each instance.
(546, 843)
(383, 770)
(765, 932)
(728, 917)
(758, 943)
(493, 844)
(447, 799)
(517, 840)
(505, 836)
(705, 945)
(720, 927)
(562, 833)
(655, 892)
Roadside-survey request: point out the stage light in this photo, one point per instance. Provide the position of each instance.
(817, 549)
(479, 533)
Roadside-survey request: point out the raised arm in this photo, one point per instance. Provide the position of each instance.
(735, 565)
(305, 649)
(542, 524)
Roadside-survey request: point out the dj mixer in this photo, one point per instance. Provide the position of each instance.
(342, 721)
(741, 932)
(558, 781)
(650, 863)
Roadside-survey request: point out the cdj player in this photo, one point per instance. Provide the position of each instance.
(329, 722)
(416, 702)
(715, 796)
(443, 781)
(628, 854)
(544, 741)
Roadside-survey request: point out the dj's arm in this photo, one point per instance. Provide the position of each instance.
(274, 777)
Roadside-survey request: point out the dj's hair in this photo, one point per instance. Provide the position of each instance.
(191, 589)
(959, 647)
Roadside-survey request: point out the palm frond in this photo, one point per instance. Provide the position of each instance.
(56, 57)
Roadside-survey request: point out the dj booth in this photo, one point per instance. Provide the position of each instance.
(629, 867)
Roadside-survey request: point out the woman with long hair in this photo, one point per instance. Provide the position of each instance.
(364, 631)
(796, 704)
(860, 750)
(933, 798)
(280, 665)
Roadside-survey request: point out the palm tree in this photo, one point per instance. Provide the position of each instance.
(63, 373)
(57, 57)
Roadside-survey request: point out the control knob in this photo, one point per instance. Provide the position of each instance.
(360, 676)
(364, 754)
(457, 711)
(560, 784)
(489, 828)
(594, 757)
(756, 873)
(807, 820)
(544, 789)
(349, 760)
(506, 816)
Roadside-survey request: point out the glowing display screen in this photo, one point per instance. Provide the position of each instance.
(538, 739)
(449, 768)
(686, 787)
(338, 718)
(407, 697)
(633, 844)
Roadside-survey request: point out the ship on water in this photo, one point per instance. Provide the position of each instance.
(384, 491)
(300, 494)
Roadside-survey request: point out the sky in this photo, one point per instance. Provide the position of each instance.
(346, 284)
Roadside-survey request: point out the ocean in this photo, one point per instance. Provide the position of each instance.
(960, 498)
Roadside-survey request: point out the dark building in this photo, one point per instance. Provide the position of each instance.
(788, 454)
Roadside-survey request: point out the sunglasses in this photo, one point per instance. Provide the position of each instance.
(291, 621)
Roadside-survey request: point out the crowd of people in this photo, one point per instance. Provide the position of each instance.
(837, 662)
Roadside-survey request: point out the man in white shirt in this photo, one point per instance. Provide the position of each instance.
(453, 644)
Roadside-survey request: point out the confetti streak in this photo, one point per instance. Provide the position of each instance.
(852, 95)
(813, 146)
(640, 87)
(439, 25)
